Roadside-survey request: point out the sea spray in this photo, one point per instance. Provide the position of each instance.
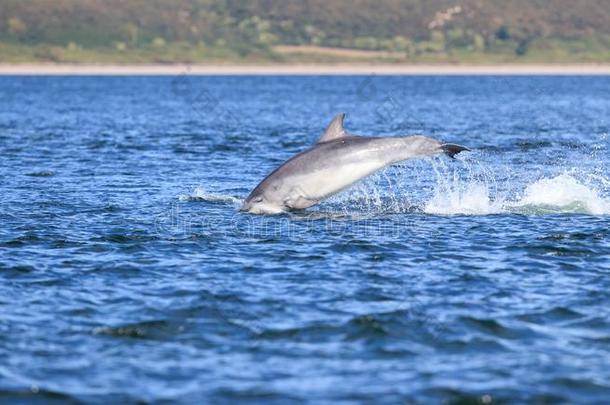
(467, 188)
(199, 193)
(396, 189)
(560, 194)
(470, 186)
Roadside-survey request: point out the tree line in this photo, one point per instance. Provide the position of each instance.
(256, 26)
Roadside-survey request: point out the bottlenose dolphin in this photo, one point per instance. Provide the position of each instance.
(335, 162)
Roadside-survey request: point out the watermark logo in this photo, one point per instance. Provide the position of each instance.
(202, 101)
(389, 105)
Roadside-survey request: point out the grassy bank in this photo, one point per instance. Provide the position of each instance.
(541, 51)
(307, 31)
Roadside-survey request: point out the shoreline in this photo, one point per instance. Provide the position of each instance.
(33, 69)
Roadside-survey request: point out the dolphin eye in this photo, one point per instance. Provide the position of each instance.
(258, 199)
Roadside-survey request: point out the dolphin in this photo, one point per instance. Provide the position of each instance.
(335, 162)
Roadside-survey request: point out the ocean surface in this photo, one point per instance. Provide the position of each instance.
(128, 275)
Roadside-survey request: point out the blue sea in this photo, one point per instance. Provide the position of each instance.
(128, 275)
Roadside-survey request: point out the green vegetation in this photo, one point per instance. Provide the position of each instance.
(306, 31)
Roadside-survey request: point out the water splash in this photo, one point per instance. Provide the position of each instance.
(463, 198)
(556, 195)
(561, 194)
(470, 187)
(200, 194)
(467, 186)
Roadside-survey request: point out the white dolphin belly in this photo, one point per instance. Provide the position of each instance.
(324, 183)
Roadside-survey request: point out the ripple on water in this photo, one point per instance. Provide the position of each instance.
(154, 329)
(42, 173)
(128, 274)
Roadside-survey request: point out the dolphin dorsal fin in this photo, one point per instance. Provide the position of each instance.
(334, 130)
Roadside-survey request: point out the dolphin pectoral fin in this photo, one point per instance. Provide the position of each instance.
(299, 203)
(451, 149)
(296, 200)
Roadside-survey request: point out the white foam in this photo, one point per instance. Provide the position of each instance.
(471, 198)
(468, 189)
(200, 194)
(563, 193)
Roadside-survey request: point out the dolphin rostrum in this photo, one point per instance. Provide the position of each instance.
(335, 162)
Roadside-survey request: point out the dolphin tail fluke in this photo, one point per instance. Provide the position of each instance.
(452, 149)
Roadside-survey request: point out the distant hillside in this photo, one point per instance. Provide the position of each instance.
(304, 30)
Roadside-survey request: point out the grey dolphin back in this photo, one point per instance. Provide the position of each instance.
(335, 131)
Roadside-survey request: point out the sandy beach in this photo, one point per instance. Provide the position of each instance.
(66, 69)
